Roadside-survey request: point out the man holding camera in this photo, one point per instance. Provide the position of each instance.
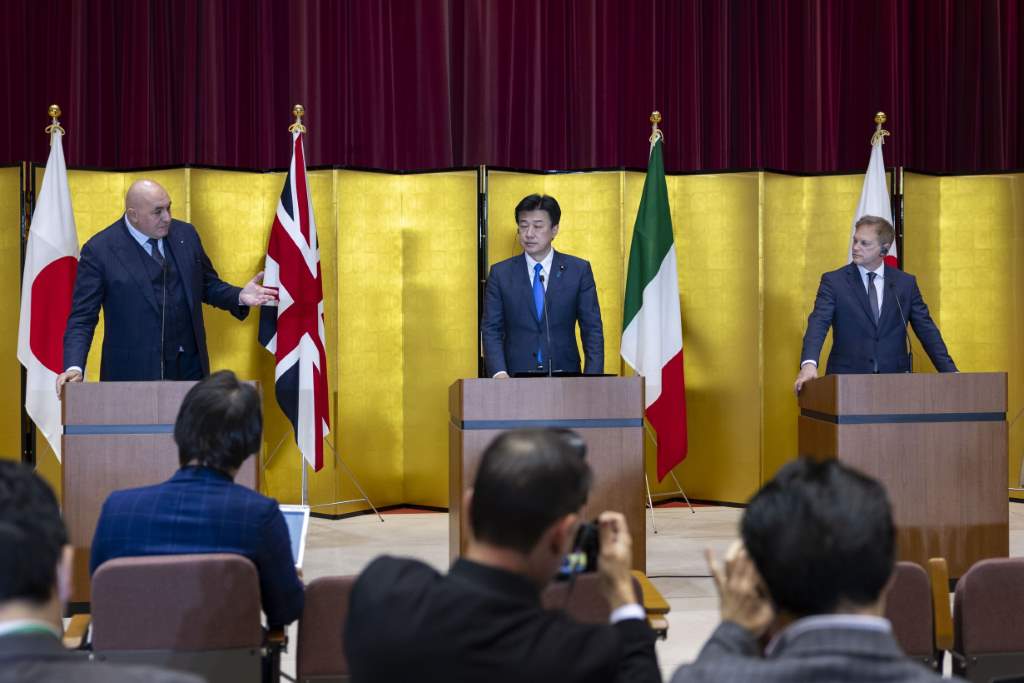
(484, 620)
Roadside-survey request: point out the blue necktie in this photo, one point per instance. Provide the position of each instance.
(538, 301)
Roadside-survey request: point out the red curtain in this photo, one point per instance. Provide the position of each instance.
(406, 85)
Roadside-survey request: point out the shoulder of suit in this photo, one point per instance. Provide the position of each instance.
(568, 260)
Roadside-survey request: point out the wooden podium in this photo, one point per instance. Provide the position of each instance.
(117, 435)
(938, 442)
(606, 411)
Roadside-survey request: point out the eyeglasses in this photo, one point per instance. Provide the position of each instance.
(523, 229)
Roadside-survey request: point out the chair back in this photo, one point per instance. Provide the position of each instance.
(320, 652)
(988, 619)
(198, 613)
(908, 606)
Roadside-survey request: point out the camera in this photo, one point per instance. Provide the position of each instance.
(586, 548)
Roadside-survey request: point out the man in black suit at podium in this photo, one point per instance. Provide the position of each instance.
(534, 300)
(868, 305)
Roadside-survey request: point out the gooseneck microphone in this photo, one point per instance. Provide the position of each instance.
(163, 316)
(547, 325)
(906, 334)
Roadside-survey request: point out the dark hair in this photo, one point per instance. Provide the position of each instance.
(220, 423)
(527, 480)
(820, 533)
(32, 535)
(883, 228)
(542, 202)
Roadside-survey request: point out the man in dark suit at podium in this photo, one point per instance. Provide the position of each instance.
(150, 275)
(533, 301)
(484, 621)
(35, 580)
(868, 306)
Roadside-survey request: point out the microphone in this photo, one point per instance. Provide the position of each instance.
(906, 335)
(163, 316)
(547, 324)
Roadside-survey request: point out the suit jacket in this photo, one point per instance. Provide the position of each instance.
(836, 655)
(861, 346)
(408, 622)
(40, 658)
(112, 276)
(512, 333)
(201, 510)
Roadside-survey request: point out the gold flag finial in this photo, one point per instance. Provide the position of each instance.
(880, 133)
(54, 112)
(298, 110)
(656, 134)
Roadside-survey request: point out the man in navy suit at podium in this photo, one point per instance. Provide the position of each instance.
(868, 305)
(533, 302)
(150, 275)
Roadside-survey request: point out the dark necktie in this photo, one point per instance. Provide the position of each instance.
(157, 256)
(873, 295)
(538, 302)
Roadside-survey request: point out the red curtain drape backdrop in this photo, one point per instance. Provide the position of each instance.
(402, 85)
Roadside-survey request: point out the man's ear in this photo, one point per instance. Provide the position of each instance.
(554, 230)
(65, 568)
(562, 533)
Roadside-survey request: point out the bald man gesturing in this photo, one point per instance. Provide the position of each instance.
(150, 275)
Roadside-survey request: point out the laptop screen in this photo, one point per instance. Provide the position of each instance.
(297, 519)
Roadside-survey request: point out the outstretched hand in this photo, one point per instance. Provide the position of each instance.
(255, 294)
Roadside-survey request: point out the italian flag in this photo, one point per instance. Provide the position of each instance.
(652, 334)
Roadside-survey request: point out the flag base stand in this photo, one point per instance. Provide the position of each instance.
(650, 497)
(351, 475)
(304, 494)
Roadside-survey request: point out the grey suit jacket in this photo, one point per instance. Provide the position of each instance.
(40, 658)
(835, 655)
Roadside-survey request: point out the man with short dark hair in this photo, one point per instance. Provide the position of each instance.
(533, 301)
(868, 306)
(35, 580)
(484, 621)
(818, 551)
(200, 509)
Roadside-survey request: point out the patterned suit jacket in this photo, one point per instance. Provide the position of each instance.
(201, 510)
(833, 655)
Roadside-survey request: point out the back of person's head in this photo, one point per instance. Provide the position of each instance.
(220, 423)
(527, 480)
(542, 202)
(821, 535)
(32, 536)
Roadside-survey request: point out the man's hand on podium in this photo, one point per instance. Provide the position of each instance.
(808, 371)
(70, 375)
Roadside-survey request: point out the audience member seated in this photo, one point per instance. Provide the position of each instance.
(817, 553)
(483, 621)
(35, 580)
(201, 509)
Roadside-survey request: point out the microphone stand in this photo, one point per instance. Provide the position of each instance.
(906, 335)
(163, 316)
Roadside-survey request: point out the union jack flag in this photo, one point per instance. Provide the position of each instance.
(294, 330)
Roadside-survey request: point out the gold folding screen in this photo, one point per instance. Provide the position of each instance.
(398, 255)
(10, 280)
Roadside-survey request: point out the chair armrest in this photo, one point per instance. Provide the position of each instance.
(654, 602)
(276, 639)
(76, 630)
(938, 575)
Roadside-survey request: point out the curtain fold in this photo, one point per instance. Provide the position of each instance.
(408, 85)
